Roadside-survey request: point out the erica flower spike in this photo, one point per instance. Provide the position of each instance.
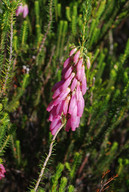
(22, 9)
(2, 171)
(68, 94)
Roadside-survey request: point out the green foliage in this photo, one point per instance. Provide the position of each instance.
(4, 124)
(56, 177)
(72, 169)
(32, 51)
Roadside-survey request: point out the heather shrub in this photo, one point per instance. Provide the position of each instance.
(64, 86)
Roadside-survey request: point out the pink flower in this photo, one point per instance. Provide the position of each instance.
(88, 63)
(25, 11)
(74, 83)
(72, 51)
(65, 106)
(54, 130)
(66, 62)
(19, 10)
(61, 97)
(22, 9)
(80, 101)
(75, 120)
(2, 171)
(79, 69)
(59, 108)
(50, 106)
(54, 123)
(57, 85)
(84, 85)
(76, 57)
(52, 114)
(68, 94)
(68, 72)
(72, 104)
(68, 81)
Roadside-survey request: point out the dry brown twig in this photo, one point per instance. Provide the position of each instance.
(104, 186)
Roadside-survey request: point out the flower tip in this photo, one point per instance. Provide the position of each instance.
(88, 63)
(25, 11)
(72, 51)
(2, 171)
(76, 57)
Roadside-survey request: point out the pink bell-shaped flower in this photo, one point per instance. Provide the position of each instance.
(22, 9)
(25, 11)
(2, 171)
(19, 10)
(68, 94)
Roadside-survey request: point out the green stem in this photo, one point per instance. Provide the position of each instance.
(4, 144)
(10, 55)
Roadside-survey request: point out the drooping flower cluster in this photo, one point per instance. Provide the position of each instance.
(22, 9)
(68, 94)
(2, 171)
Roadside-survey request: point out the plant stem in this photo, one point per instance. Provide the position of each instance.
(47, 158)
(4, 144)
(48, 29)
(10, 55)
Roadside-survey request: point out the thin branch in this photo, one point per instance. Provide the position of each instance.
(47, 31)
(47, 158)
(83, 164)
(10, 55)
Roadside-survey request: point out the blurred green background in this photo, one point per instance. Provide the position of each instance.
(40, 44)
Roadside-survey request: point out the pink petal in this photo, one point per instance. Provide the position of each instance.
(79, 74)
(82, 72)
(53, 131)
(75, 120)
(79, 64)
(74, 113)
(57, 85)
(73, 102)
(72, 51)
(73, 85)
(80, 101)
(54, 123)
(84, 86)
(68, 81)
(59, 109)
(79, 69)
(78, 92)
(88, 63)
(62, 96)
(63, 86)
(25, 11)
(80, 106)
(68, 72)
(50, 106)
(66, 62)
(76, 57)
(56, 93)
(19, 10)
(2, 171)
(65, 106)
(52, 114)
(64, 71)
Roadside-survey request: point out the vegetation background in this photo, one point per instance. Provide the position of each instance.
(32, 52)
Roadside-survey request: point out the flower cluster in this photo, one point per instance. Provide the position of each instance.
(2, 171)
(68, 94)
(22, 9)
